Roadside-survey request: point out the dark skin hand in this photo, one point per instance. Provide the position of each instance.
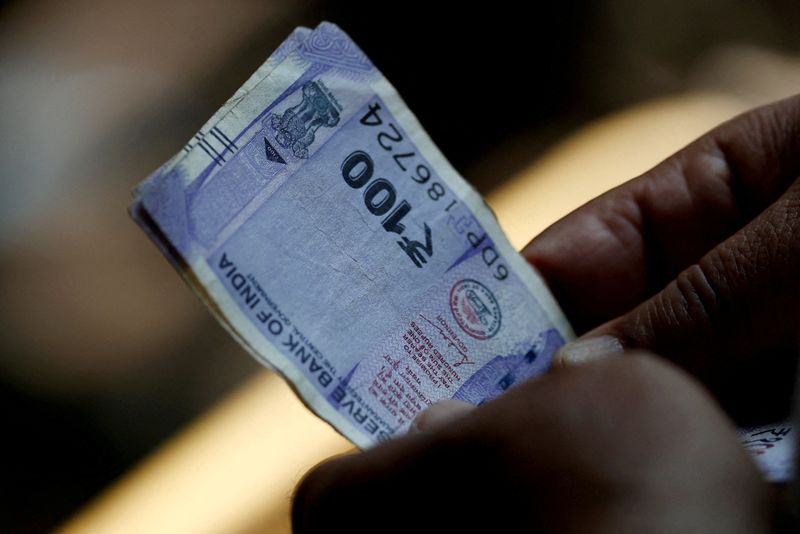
(697, 260)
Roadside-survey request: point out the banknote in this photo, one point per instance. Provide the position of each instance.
(772, 447)
(324, 228)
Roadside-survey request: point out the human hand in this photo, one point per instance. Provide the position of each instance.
(619, 445)
(697, 260)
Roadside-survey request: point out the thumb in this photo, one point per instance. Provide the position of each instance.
(731, 318)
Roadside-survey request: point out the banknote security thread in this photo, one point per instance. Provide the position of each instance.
(328, 234)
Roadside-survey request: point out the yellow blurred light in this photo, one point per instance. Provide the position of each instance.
(601, 156)
(231, 471)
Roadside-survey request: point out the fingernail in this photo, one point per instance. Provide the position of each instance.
(587, 350)
(439, 414)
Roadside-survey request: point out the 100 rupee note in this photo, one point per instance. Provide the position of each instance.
(327, 232)
(323, 228)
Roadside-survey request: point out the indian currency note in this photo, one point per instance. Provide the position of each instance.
(335, 241)
(328, 234)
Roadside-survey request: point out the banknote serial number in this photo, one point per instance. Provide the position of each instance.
(389, 137)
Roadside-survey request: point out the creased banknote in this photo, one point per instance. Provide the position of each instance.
(322, 226)
(328, 234)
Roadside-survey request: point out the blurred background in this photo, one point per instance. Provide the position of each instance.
(105, 355)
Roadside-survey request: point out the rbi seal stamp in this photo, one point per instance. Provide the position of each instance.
(475, 309)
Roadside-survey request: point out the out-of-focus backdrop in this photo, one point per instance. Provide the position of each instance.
(106, 357)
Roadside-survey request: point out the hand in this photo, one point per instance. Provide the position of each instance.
(697, 260)
(619, 445)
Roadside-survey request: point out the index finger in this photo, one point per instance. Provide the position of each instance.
(615, 251)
